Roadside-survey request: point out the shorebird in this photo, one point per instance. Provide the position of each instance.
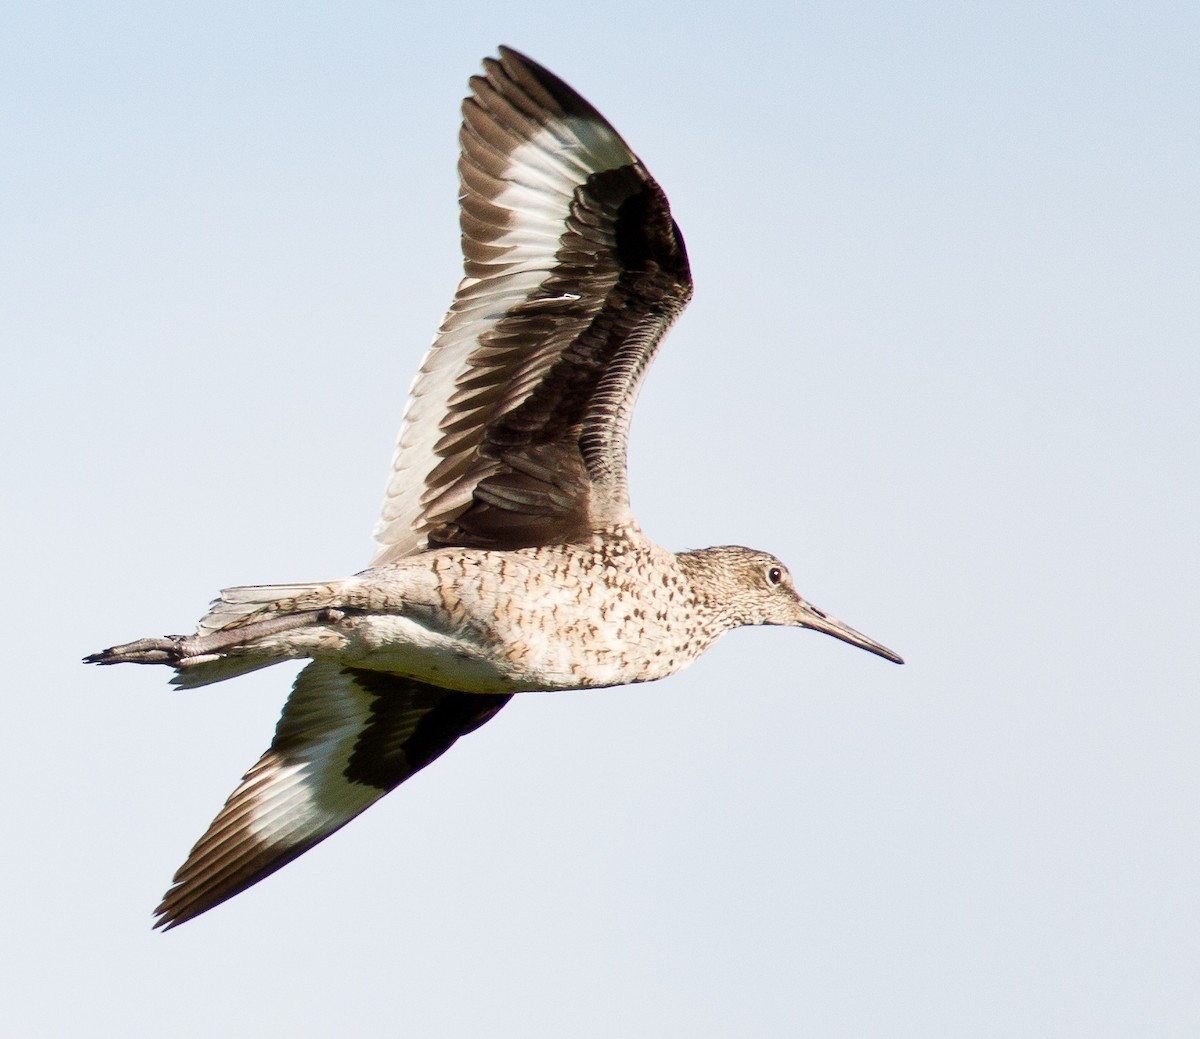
(509, 559)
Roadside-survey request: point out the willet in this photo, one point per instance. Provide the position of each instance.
(509, 558)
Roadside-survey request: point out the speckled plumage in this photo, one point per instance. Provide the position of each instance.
(611, 610)
(509, 558)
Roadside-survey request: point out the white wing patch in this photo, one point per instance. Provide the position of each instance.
(540, 178)
(296, 795)
(306, 792)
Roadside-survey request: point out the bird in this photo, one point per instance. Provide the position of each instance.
(509, 559)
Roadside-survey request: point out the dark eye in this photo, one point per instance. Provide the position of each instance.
(774, 575)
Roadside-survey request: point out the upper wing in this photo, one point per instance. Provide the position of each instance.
(346, 737)
(516, 426)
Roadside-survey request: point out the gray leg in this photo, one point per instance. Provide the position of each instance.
(185, 650)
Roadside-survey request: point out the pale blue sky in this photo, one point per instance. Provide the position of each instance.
(942, 359)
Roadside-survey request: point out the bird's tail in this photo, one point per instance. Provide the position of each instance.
(229, 639)
(235, 607)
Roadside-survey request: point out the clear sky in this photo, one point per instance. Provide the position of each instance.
(942, 359)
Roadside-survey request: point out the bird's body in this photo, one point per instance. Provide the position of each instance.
(610, 610)
(509, 557)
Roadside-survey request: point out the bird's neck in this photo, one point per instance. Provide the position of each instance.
(713, 593)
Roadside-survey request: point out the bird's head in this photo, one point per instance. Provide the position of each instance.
(756, 588)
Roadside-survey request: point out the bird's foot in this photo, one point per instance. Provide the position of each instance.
(189, 650)
(170, 649)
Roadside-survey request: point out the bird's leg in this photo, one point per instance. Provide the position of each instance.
(186, 650)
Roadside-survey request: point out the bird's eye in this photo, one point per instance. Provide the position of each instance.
(774, 575)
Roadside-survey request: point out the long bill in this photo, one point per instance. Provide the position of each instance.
(811, 617)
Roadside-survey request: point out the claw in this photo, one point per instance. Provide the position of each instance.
(167, 650)
(186, 650)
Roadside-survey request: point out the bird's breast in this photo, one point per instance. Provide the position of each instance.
(554, 618)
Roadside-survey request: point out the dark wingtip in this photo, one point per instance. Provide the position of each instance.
(166, 920)
(524, 71)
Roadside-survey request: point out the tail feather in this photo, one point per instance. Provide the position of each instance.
(227, 640)
(237, 604)
(234, 607)
(211, 671)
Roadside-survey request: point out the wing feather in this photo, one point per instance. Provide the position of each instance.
(345, 738)
(572, 264)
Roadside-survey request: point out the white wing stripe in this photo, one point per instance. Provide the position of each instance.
(531, 199)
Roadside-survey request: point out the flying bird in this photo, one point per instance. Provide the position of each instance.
(509, 559)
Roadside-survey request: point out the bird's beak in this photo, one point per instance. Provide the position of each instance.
(811, 617)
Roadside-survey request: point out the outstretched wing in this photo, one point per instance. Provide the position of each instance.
(516, 426)
(346, 737)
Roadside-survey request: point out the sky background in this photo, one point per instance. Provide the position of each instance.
(942, 359)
